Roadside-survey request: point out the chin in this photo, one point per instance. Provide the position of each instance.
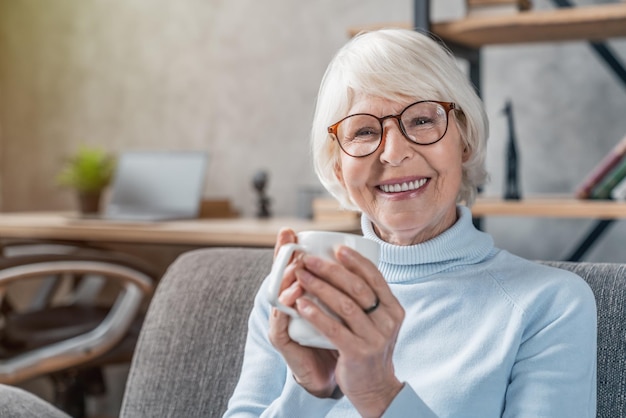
(399, 225)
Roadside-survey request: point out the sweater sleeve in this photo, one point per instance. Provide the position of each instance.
(554, 374)
(266, 387)
(408, 404)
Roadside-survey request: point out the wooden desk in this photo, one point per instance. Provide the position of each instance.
(158, 243)
(201, 232)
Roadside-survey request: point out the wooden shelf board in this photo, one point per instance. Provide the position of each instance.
(593, 23)
(558, 207)
(538, 206)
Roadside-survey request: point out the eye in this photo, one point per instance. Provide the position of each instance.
(365, 132)
(360, 128)
(419, 121)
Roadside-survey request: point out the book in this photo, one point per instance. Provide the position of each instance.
(603, 189)
(608, 162)
(619, 191)
(521, 4)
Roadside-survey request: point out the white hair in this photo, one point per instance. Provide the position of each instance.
(397, 64)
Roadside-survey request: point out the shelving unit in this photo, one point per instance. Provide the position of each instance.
(465, 37)
(593, 23)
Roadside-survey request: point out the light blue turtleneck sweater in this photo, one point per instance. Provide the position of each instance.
(486, 334)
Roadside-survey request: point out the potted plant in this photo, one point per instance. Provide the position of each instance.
(88, 172)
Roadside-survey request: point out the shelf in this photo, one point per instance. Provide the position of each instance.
(592, 23)
(557, 207)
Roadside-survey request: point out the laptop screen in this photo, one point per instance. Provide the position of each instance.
(158, 184)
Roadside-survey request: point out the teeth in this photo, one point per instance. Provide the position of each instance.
(404, 187)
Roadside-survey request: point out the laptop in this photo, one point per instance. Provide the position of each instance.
(156, 186)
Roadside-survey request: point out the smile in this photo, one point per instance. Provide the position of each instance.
(403, 187)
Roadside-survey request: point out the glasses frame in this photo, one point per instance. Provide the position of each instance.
(447, 106)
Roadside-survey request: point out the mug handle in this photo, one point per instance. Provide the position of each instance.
(275, 277)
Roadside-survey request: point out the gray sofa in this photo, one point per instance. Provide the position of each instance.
(189, 353)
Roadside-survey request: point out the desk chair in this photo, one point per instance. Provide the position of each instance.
(64, 332)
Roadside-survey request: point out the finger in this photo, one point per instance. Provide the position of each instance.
(344, 279)
(352, 322)
(288, 296)
(364, 268)
(360, 282)
(373, 330)
(279, 322)
(394, 313)
(284, 236)
(289, 276)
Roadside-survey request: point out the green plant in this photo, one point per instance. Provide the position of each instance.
(89, 170)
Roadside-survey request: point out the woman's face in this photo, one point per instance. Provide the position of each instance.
(422, 212)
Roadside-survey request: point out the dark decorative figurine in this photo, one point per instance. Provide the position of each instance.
(512, 189)
(259, 181)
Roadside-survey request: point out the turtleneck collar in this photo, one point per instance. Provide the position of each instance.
(462, 244)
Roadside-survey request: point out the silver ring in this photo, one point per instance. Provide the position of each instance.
(373, 307)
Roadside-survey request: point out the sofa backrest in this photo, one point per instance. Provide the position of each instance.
(188, 358)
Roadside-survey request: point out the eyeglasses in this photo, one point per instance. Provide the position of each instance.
(424, 123)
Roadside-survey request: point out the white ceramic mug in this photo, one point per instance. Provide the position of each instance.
(321, 244)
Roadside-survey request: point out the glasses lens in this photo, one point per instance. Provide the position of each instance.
(425, 122)
(359, 135)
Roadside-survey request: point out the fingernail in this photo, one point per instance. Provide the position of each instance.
(344, 252)
(311, 261)
(303, 305)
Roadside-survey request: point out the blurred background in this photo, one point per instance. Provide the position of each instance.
(239, 78)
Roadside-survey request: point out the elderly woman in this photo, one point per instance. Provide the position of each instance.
(446, 325)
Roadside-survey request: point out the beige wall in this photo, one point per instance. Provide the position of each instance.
(237, 78)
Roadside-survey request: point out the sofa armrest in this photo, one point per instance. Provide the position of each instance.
(189, 354)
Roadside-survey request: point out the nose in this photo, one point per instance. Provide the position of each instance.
(395, 147)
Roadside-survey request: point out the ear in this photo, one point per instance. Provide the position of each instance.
(339, 174)
(466, 153)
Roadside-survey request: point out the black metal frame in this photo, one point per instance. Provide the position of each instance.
(601, 48)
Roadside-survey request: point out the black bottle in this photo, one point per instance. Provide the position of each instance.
(512, 189)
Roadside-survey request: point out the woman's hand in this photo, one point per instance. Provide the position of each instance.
(362, 365)
(365, 342)
(313, 369)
